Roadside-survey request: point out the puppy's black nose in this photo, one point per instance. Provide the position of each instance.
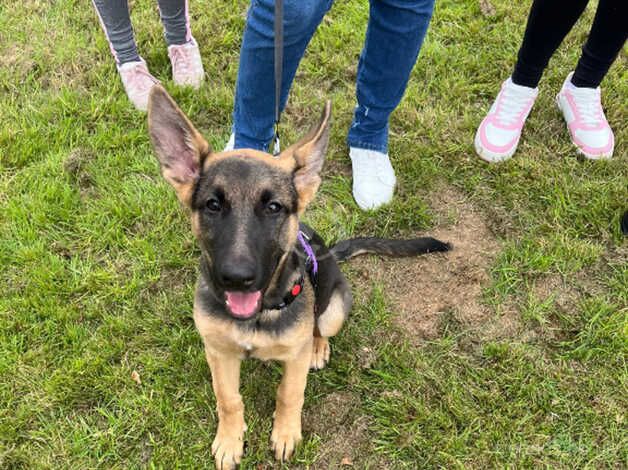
(239, 274)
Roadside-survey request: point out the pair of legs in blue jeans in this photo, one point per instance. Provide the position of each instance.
(395, 32)
(394, 36)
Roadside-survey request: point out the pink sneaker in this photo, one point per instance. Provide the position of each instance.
(137, 82)
(498, 135)
(187, 68)
(587, 124)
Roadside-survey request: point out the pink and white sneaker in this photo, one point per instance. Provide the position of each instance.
(137, 82)
(587, 124)
(187, 67)
(497, 137)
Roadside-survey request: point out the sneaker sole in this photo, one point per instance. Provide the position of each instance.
(588, 156)
(489, 156)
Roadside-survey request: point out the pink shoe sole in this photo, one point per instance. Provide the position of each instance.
(605, 154)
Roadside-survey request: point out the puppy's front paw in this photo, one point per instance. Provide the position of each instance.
(227, 450)
(285, 439)
(320, 353)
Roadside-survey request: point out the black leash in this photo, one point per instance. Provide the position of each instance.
(278, 68)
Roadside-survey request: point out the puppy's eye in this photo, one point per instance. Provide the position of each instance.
(213, 205)
(274, 207)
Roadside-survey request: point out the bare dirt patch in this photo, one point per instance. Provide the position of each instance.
(336, 420)
(553, 287)
(434, 292)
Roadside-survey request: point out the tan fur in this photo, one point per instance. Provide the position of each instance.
(284, 164)
(226, 344)
(228, 338)
(331, 320)
(290, 241)
(289, 404)
(184, 190)
(195, 224)
(228, 444)
(226, 341)
(305, 197)
(320, 353)
(308, 155)
(312, 135)
(194, 141)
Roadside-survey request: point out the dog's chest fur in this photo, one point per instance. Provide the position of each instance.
(225, 336)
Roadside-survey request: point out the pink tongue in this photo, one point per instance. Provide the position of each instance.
(243, 304)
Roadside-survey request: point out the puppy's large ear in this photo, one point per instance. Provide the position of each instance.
(179, 147)
(309, 156)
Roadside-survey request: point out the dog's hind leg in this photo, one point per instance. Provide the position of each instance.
(320, 353)
(329, 323)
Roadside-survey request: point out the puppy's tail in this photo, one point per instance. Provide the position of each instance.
(346, 249)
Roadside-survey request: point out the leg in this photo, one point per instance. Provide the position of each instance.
(176, 20)
(329, 323)
(580, 98)
(185, 57)
(116, 23)
(320, 353)
(548, 24)
(394, 36)
(290, 395)
(253, 115)
(228, 445)
(393, 40)
(607, 37)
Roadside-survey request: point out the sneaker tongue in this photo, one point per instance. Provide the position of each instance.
(243, 304)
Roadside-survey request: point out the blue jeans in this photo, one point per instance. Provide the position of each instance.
(395, 32)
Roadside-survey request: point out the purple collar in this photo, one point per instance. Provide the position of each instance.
(311, 264)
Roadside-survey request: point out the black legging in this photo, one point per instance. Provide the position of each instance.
(548, 24)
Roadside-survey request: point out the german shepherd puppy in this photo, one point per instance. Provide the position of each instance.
(251, 298)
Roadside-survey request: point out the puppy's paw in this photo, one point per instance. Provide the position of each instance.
(227, 450)
(320, 353)
(284, 440)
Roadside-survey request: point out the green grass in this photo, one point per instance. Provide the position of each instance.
(98, 262)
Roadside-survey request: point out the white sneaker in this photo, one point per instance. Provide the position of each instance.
(497, 137)
(137, 82)
(373, 178)
(230, 144)
(587, 124)
(187, 67)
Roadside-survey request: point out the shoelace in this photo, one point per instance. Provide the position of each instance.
(511, 107)
(588, 106)
(181, 59)
(137, 76)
